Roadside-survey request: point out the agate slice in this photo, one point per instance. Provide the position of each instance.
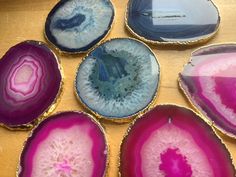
(30, 83)
(209, 82)
(69, 144)
(172, 21)
(172, 141)
(118, 79)
(75, 26)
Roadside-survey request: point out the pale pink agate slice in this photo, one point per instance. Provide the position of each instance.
(172, 141)
(209, 82)
(69, 144)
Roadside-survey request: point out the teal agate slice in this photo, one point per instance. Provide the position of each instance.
(118, 79)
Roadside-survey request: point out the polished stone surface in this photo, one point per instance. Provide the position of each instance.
(118, 79)
(30, 81)
(77, 25)
(69, 144)
(209, 81)
(173, 20)
(172, 141)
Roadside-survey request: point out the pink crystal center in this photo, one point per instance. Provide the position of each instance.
(155, 152)
(65, 152)
(63, 167)
(174, 164)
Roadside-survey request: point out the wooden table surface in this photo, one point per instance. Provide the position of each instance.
(24, 19)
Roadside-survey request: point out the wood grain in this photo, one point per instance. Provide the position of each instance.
(24, 19)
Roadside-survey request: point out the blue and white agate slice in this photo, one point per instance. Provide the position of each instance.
(75, 26)
(172, 21)
(119, 79)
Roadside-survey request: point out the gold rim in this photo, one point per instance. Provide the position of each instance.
(179, 106)
(193, 103)
(93, 119)
(52, 106)
(174, 43)
(125, 119)
(61, 52)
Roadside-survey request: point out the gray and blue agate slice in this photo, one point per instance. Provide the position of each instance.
(75, 26)
(118, 79)
(173, 21)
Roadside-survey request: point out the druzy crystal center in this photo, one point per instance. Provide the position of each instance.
(64, 168)
(116, 79)
(184, 142)
(67, 155)
(174, 164)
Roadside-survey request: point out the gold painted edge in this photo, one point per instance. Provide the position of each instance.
(65, 53)
(127, 118)
(178, 106)
(93, 119)
(202, 40)
(193, 103)
(53, 105)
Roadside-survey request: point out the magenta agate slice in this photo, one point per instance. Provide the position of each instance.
(30, 81)
(209, 81)
(172, 141)
(69, 144)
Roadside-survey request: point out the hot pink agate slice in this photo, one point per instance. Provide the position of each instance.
(209, 81)
(171, 141)
(69, 144)
(30, 81)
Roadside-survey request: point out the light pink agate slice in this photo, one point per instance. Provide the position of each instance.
(172, 141)
(209, 82)
(68, 144)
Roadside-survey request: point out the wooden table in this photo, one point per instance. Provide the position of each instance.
(24, 19)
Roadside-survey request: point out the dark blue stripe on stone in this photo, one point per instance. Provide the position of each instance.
(75, 21)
